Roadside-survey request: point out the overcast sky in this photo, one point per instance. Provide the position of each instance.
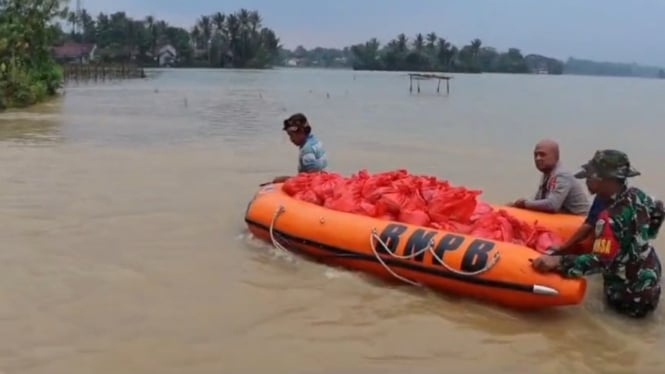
(609, 30)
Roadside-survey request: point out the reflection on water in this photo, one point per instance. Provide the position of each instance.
(124, 248)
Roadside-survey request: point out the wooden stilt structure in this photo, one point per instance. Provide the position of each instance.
(419, 77)
(101, 72)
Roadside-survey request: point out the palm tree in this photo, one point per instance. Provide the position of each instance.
(419, 42)
(475, 46)
(475, 51)
(431, 40)
(233, 31)
(196, 37)
(218, 22)
(133, 30)
(444, 52)
(205, 25)
(254, 21)
(402, 40)
(72, 18)
(243, 18)
(255, 25)
(152, 31)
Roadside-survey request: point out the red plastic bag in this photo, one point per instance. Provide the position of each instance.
(414, 217)
(309, 196)
(418, 200)
(456, 203)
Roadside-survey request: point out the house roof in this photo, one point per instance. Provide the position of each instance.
(69, 50)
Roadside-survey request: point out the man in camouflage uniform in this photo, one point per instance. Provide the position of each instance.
(622, 249)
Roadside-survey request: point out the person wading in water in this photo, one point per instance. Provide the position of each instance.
(312, 156)
(558, 192)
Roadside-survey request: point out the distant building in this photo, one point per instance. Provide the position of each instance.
(81, 53)
(167, 55)
(538, 64)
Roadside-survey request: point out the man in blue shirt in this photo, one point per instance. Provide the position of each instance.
(312, 155)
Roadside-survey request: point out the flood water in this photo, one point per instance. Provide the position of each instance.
(124, 248)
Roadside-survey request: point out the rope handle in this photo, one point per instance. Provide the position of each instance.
(375, 237)
(271, 230)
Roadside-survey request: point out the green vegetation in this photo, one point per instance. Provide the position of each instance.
(28, 74)
(236, 40)
(424, 53)
(432, 53)
(317, 57)
(587, 67)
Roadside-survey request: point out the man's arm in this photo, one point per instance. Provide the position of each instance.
(309, 161)
(575, 266)
(606, 247)
(552, 203)
(657, 213)
(579, 235)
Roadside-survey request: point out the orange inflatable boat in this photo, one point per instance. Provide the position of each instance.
(493, 271)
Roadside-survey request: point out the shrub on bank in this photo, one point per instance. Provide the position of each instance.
(28, 73)
(23, 86)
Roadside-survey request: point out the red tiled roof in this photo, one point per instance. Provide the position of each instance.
(69, 50)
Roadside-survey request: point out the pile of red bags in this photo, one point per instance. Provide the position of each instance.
(418, 200)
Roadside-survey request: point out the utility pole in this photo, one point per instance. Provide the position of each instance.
(78, 17)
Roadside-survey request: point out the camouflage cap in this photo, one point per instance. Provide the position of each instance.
(608, 163)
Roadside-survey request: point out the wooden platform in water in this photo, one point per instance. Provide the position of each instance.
(429, 76)
(422, 76)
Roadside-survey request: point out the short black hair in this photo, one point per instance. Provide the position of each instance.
(298, 120)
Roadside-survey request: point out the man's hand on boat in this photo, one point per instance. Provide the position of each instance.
(519, 203)
(546, 263)
(281, 179)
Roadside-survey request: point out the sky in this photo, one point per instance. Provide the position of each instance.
(605, 30)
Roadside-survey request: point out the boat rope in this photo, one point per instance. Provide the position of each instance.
(375, 238)
(271, 230)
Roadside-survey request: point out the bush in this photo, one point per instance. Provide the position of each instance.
(27, 72)
(22, 86)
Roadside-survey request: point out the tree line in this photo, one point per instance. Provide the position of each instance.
(234, 40)
(30, 28)
(433, 53)
(239, 40)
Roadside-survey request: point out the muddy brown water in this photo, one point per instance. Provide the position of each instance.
(124, 248)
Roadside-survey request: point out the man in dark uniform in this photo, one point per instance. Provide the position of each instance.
(622, 249)
(598, 205)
